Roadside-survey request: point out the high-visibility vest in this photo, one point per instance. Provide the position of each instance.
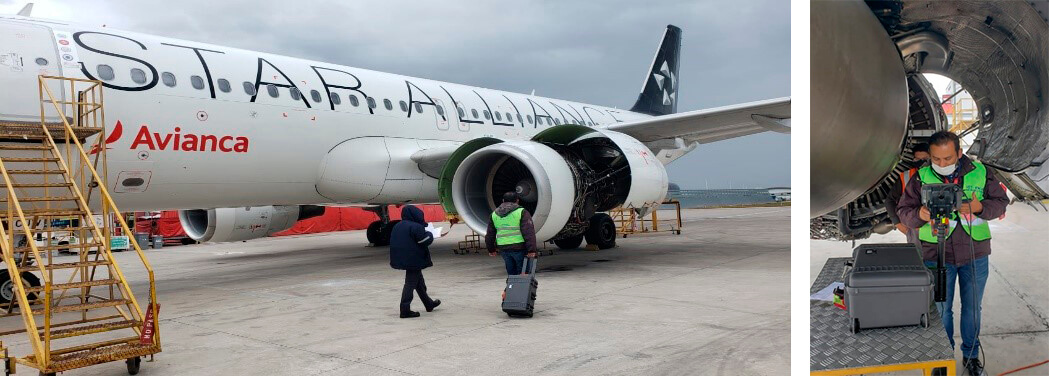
(905, 177)
(508, 228)
(972, 183)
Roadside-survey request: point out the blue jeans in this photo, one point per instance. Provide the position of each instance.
(971, 299)
(514, 261)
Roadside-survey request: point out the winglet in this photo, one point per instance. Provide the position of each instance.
(26, 10)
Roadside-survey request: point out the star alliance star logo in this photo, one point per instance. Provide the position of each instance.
(668, 88)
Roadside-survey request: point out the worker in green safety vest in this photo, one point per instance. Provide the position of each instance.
(511, 233)
(968, 239)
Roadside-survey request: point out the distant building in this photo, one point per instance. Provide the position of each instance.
(780, 193)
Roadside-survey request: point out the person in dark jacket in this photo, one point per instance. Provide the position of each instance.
(511, 232)
(409, 251)
(968, 243)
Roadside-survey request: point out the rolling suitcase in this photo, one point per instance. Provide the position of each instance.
(519, 294)
(887, 286)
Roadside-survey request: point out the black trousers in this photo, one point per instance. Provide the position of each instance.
(413, 282)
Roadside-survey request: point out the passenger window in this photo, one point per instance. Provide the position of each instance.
(272, 89)
(529, 117)
(461, 113)
(498, 116)
(41, 61)
(404, 107)
(138, 75)
(249, 88)
(353, 100)
(335, 98)
(474, 112)
(519, 119)
(419, 108)
(388, 104)
(509, 118)
(295, 94)
(440, 110)
(105, 72)
(316, 95)
(197, 82)
(557, 121)
(224, 85)
(168, 78)
(371, 102)
(487, 115)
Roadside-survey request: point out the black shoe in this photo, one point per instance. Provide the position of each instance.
(939, 372)
(436, 303)
(973, 366)
(410, 314)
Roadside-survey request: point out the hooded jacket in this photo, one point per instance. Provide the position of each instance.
(527, 230)
(409, 241)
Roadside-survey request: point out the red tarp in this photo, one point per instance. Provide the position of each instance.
(334, 219)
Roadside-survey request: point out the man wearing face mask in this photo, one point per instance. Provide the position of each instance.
(921, 156)
(968, 243)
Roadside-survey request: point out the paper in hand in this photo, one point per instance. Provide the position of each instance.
(435, 231)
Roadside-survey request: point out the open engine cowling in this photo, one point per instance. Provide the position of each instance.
(235, 224)
(563, 176)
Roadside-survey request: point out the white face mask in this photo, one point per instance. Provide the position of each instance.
(944, 171)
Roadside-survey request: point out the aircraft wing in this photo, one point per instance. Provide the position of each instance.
(713, 124)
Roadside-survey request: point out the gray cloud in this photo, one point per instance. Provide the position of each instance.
(594, 52)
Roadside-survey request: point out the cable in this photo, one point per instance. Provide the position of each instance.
(972, 283)
(1023, 368)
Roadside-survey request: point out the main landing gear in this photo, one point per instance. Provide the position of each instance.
(379, 231)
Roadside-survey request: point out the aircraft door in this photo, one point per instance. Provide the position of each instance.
(27, 51)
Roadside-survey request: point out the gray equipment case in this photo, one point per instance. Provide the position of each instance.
(887, 286)
(519, 294)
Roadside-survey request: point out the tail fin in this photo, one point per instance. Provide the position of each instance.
(659, 94)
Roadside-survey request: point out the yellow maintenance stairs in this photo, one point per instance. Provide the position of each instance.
(79, 310)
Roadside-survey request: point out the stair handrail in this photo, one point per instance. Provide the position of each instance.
(107, 200)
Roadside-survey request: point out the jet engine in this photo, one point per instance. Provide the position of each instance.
(563, 176)
(234, 224)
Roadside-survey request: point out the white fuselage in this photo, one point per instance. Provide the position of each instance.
(202, 144)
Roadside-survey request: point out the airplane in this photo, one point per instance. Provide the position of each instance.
(246, 143)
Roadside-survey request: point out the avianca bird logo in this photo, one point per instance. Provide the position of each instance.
(113, 137)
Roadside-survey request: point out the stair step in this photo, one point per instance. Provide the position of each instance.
(101, 352)
(84, 306)
(29, 159)
(34, 172)
(66, 286)
(62, 229)
(41, 199)
(60, 246)
(46, 213)
(37, 185)
(93, 329)
(71, 265)
(25, 147)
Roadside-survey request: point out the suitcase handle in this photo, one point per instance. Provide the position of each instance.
(529, 266)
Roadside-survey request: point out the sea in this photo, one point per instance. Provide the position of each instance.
(699, 198)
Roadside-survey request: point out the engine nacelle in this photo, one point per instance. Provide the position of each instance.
(234, 224)
(563, 176)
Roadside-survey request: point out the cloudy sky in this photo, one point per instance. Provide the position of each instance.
(589, 51)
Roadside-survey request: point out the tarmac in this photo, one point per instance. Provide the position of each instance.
(1015, 330)
(713, 300)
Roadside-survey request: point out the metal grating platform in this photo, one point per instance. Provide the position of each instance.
(832, 346)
